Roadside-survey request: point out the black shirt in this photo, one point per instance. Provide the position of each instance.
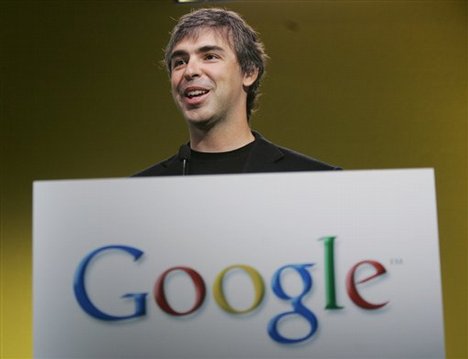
(260, 156)
(219, 162)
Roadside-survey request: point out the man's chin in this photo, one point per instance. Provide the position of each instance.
(201, 123)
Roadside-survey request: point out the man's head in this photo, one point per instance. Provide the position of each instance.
(242, 39)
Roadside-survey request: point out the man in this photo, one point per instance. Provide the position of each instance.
(215, 63)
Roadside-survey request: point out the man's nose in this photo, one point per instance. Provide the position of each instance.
(192, 69)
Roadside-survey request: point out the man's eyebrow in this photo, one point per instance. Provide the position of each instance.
(209, 48)
(178, 53)
(203, 49)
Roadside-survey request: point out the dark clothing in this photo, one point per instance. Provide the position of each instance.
(202, 163)
(262, 156)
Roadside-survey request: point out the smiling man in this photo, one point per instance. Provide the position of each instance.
(215, 62)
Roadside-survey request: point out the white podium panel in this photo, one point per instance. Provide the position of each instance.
(294, 265)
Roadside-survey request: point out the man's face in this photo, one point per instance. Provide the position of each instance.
(207, 81)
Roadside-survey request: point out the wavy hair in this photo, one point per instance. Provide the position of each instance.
(244, 41)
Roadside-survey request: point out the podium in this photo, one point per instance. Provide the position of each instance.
(288, 265)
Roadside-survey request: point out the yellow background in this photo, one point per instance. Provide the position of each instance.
(360, 84)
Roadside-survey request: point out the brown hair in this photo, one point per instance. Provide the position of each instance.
(243, 39)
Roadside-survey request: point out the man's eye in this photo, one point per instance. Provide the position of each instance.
(177, 63)
(211, 57)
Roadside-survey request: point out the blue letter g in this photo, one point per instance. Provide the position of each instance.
(82, 296)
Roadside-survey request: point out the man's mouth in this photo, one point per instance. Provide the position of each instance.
(191, 93)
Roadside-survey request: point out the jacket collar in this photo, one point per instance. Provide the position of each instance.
(263, 154)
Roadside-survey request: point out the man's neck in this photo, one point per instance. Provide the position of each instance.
(221, 138)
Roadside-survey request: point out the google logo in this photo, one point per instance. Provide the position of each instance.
(219, 295)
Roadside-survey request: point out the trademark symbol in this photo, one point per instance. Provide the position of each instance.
(396, 261)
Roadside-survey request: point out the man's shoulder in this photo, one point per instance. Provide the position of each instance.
(300, 161)
(169, 167)
(269, 157)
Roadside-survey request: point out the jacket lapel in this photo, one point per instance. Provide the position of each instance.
(264, 155)
(172, 166)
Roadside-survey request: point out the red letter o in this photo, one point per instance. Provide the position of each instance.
(160, 294)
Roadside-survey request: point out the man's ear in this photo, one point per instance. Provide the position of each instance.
(250, 77)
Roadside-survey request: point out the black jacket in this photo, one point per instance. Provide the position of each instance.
(264, 157)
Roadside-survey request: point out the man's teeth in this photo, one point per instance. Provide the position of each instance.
(196, 93)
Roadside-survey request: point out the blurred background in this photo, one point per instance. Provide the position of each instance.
(359, 84)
